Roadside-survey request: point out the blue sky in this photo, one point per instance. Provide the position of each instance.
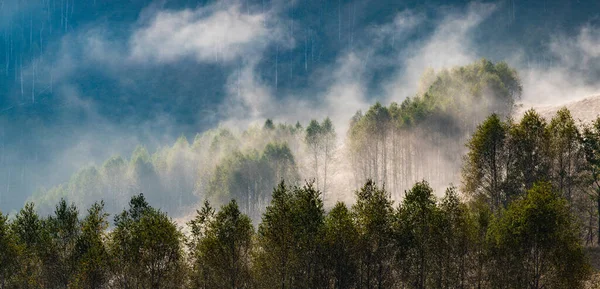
(82, 80)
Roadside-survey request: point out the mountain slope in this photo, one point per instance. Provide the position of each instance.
(584, 110)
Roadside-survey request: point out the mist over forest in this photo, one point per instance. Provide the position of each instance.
(83, 82)
(391, 145)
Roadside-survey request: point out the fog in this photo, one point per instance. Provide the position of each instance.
(99, 87)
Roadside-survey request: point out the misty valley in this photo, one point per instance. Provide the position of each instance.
(314, 144)
(449, 189)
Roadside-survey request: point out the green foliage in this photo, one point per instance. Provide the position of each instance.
(505, 159)
(30, 236)
(9, 253)
(177, 176)
(57, 252)
(591, 148)
(90, 252)
(514, 231)
(249, 177)
(320, 139)
(567, 157)
(341, 243)
(420, 230)
(290, 249)
(485, 167)
(275, 262)
(222, 253)
(146, 248)
(535, 243)
(529, 142)
(425, 243)
(400, 144)
(373, 214)
(269, 124)
(458, 249)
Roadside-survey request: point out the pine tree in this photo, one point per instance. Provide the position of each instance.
(341, 244)
(275, 261)
(223, 253)
(29, 232)
(9, 254)
(419, 225)
(373, 213)
(90, 252)
(64, 229)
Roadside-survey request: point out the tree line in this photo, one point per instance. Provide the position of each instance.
(527, 208)
(423, 137)
(506, 158)
(218, 164)
(423, 242)
(527, 204)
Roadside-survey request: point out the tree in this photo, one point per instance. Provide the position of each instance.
(567, 158)
(321, 141)
(484, 169)
(373, 214)
(458, 247)
(308, 222)
(341, 238)
(275, 260)
(423, 136)
(247, 177)
(198, 228)
(114, 176)
(290, 239)
(535, 243)
(223, 254)
(29, 232)
(482, 216)
(328, 138)
(90, 253)
(199, 225)
(591, 147)
(529, 141)
(146, 248)
(269, 124)
(419, 221)
(313, 141)
(64, 230)
(9, 253)
(280, 162)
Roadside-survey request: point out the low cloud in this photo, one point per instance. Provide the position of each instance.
(384, 63)
(449, 45)
(208, 34)
(570, 71)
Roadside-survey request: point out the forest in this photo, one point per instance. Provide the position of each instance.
(447, 189)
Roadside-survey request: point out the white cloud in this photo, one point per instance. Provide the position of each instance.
(570, 73)
(208, 34)
(249, 98)
(449, 45)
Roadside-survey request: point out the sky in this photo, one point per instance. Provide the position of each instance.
(83, 80)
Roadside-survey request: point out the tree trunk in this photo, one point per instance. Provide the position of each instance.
(598, 202)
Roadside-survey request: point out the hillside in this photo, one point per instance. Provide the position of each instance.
(583, 110)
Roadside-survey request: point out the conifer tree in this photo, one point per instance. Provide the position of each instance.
(373, 213)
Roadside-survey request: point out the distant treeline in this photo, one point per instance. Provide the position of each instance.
(527, 204)
(421, 243)
(420, 138)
